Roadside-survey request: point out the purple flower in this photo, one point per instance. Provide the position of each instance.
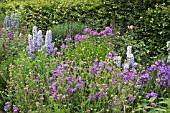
(41, 98)
(168, 70)
(29, 110)
(63, 46)
(79, 37)
(144, 78)
(108, 29)
(152, 94)
(160, 63)
(31, 55)
(68, 39)
(35, 91)
(93, 70)
(26, 89)
(88, 111)
(50, 93)
(87, 30)
(7, 106)
(130, 98)
(110, 44)
(153, 104)
(98, 95)
(91, 98)
(15, 109)
(49, 49)
(9, 35)
(95, 33)
(152, 67)
(104, 36)
(69, 83)
(111, 55)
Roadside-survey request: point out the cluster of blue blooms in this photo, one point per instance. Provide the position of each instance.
(35, 42)
(11, 20)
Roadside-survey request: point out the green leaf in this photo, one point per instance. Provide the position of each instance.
(152, 99)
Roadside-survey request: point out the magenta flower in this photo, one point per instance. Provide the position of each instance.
(41, 98)
(29, 110)
(153, 104)
(87, 30)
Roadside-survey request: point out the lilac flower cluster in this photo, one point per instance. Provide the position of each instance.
(162, 78)
(68, 39)
(143, 79)
(129, 75)
(104, 33)
(11, 20)
(152, 94)
(79, 37)
(163, 73)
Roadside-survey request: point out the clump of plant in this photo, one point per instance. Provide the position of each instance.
(68, 29)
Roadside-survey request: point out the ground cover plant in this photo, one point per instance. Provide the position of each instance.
(77, 67)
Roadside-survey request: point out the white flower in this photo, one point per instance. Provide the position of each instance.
(125, 66)
(117, 60)
(129, 49)
(130, 59)
(168, 60)
(168, 45)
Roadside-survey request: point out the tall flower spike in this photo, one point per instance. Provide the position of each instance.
(31, 47)
(39, 39)
(129, 49)
(13, 19)
(48, 38)
(35, 35)
(130, 59)
(7, 21)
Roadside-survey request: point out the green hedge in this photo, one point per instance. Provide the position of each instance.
(150, 17)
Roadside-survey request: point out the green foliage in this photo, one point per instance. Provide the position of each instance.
(153, 28)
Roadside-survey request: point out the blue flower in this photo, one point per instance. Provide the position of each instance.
(7, 21)
(39, 39)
